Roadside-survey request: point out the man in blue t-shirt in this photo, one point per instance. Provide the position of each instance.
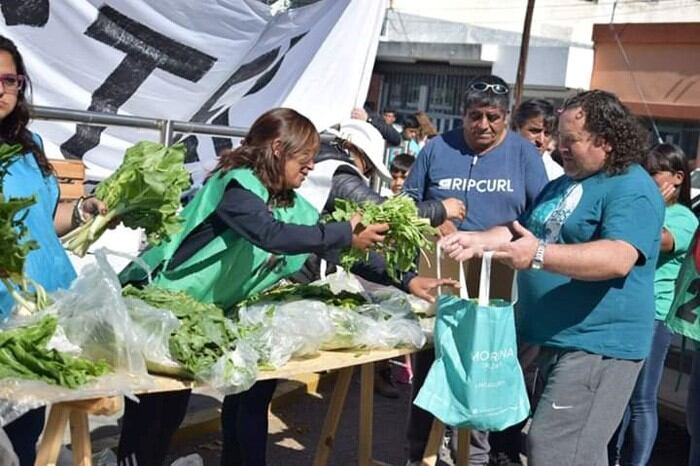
(586, 255)
(498, 174)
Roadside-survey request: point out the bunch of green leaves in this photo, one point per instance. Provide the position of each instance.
(204, 333)
(144, 192)
(14, 247)
(24, 354)
(408, 233)
(298, 291)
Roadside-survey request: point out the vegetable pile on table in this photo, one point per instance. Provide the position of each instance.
(24, 354)
(144, 192)
(408, 233)
(204, 334)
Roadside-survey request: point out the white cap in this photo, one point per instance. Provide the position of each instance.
(368, 139)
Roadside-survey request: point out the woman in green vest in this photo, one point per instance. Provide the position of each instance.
(244, 231)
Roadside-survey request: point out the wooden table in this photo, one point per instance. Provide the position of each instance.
(75, 413)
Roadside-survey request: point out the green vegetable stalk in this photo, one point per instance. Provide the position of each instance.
(14, 247)
(144, 192)
(408, 234)
(24, 354)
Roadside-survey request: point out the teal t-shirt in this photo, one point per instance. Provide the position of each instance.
(681, 223)
(609, 317)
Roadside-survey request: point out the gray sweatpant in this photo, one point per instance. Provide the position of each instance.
(583, 399)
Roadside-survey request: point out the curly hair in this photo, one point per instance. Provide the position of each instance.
(13, 128)
(609, 119)
(295, 133)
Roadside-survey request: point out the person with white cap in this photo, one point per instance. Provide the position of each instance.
(342, 170)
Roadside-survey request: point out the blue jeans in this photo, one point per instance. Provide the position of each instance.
(693, 411)
(634, 439)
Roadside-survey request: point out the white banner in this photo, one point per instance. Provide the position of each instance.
(213, 61)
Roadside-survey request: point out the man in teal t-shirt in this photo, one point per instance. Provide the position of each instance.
(587, 255)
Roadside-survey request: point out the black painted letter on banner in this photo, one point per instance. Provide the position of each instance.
(25, 12)
(145, 51)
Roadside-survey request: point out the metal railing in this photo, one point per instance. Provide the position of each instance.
(166, 128)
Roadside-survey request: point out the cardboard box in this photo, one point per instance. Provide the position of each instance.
(71, 177)
(501, 275)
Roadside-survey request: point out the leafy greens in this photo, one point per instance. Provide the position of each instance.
(144, 192)
(408, 234)
(24, 354)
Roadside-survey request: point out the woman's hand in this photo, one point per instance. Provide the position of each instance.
(668, 192)
(446, 228)
(423, 287)
(92, 206)
(365, 237)
(455, 208)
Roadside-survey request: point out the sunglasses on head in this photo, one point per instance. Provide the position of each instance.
(481, 86)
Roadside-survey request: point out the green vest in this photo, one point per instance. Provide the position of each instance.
(228, 268)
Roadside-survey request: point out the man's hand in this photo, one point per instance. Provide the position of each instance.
(423, 287)
(455, 208)
(446, 228)
(359, 114)
(462, 246)
(518, 254)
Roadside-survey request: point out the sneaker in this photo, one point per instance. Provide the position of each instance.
(384, 385)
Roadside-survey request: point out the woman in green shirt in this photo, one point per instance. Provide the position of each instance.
(634, 441)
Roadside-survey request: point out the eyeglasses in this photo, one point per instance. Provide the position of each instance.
(12, 83)
(483, 87)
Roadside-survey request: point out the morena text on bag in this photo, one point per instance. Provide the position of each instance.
(492, 356)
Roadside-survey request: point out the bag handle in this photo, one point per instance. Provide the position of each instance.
(485, 279)
(322, 268)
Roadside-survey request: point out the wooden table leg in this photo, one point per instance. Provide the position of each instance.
(432, 448)
(80, 438)
(463, 439)
(366, 411)
(330, 424)
(51, 441)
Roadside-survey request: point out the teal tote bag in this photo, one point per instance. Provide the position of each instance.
(476, 381)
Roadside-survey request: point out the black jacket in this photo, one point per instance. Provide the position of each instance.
(390, 135)
(349, 185)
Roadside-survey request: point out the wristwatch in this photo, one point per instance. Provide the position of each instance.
(538, 260)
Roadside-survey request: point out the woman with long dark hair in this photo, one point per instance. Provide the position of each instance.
(244, 231)
(31, 174)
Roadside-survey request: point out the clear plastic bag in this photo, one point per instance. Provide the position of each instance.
(234, 372)
(94, 316)
(152, 328)
(280, 331)
(7, 453)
